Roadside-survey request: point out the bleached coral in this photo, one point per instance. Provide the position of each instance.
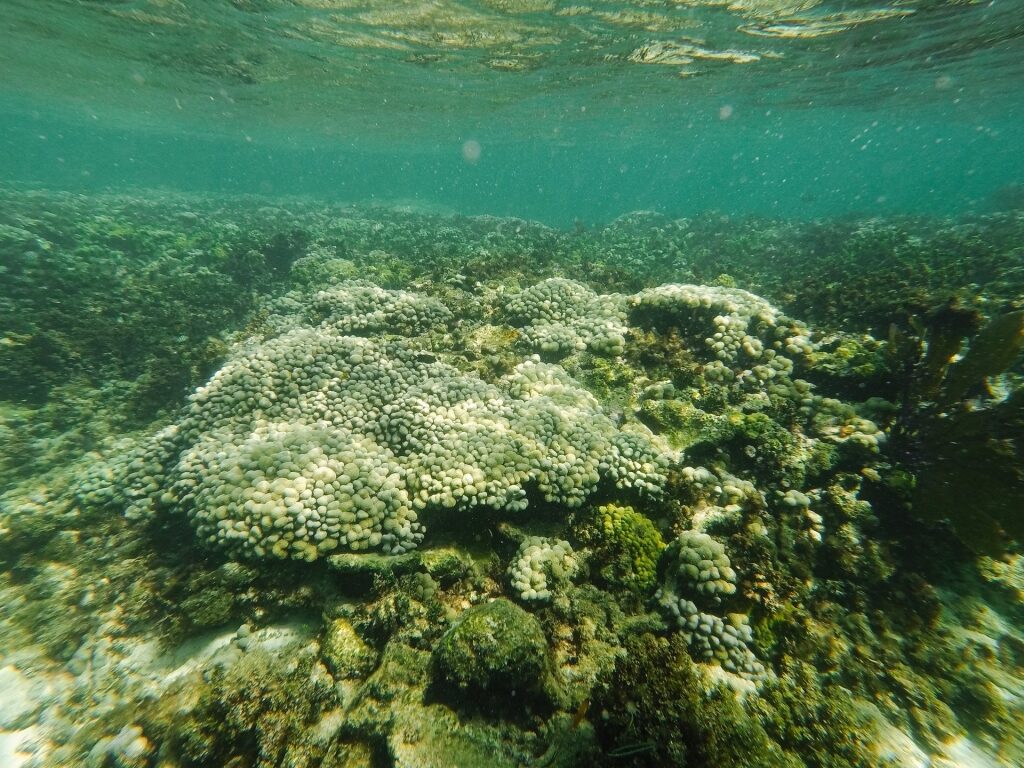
(560, 316)
(316, 441)
(722, 498)
(357, 307)
(360, 307)
(812, 523)
(839, 422)
(541, 566)
(743, 331)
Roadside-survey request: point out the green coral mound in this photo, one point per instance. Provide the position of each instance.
(496, 654)
(625, 546)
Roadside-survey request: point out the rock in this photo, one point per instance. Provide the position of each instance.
(345, 653)
(495, 656)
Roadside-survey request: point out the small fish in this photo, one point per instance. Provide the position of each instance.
(632, 749)
(581, 712)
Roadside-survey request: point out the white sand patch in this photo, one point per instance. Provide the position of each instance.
(19, 701)
(896, 748)
(20, 746)
(963, 753)
(185, 659)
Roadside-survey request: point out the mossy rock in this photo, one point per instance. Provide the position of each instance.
(656, 709)
(344, 651)
(446, 564)
(361, 569)
(850, 365)
(210, 608)
(767, 447)
(494, 656)
(407, 730)
(256, 712)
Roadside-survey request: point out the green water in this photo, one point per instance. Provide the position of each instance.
(539, 109)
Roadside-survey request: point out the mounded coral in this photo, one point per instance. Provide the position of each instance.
(560, 316)
(753, 350)
(625, 546)
(746, 338)
(357, 307)
(698, 566)
(698, 575)
(360, 307)
(316, 441)
(541, 565)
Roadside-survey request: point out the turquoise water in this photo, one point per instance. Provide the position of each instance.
(511, 384)
(545, 110)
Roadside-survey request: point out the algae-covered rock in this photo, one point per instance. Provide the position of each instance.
(445, 564)
(259, 712)
(389, 710)
(208, 610)
(497, 655)
(656, 709)
(345, 652)
(850, 364)
(817, 720)
(681, 422)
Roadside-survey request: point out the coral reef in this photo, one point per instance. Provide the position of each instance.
(541, 566)
(315, 441)
(624, 545)
(420, 518)
(656, 710)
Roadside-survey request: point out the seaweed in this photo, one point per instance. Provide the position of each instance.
(962, 442)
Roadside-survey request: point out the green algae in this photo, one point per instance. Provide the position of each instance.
(961, 441)
(345, 652)
(681, 422)
(657, 710)
(258, 712)
(818, 722)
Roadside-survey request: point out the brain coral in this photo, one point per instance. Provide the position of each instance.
(316, 441)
